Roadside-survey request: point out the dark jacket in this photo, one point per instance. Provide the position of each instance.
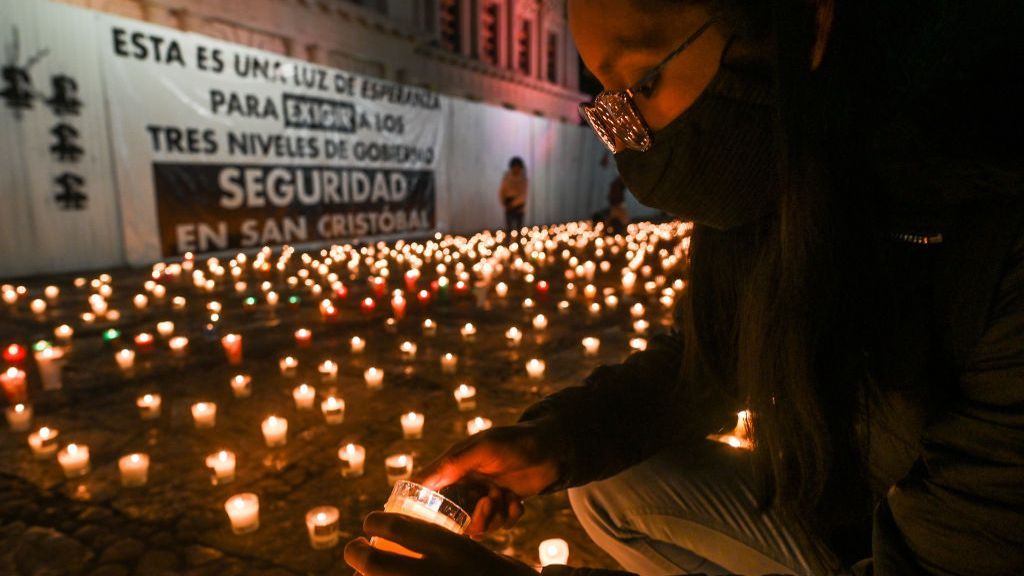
(946, 432)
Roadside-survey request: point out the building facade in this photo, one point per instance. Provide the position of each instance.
(513, 53)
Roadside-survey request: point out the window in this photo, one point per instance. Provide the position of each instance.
(451, 25)
(551, 59)
(523, 44)
(489, 33)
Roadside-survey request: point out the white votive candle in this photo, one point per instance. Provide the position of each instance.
(74, 459)
(591, 346)
(553, 551)
(535, 368)
(134, 469)
(357, 345)
(304, 394)
(328, 370)
(449, 363)
(125, 360)
(465, 397)
(408, 350)
(288, 365)
(149, 406)
(374, 378)
(19, 417)
(222, 466)
(468, 331)
(275, 431)
(38, 306)
(178, 346)
(165, 329)
(50, 361)
(353, 460)
(429, 327)
(63, 332)
(540, 322)
(333, 409)
(398, 467)
(478, 424)
(638, 344)
(244, 512)
(640, 325)
(322, 525)
(241, 385)
(412, 425)
(204, 414)
(513, 336)
(43, 442)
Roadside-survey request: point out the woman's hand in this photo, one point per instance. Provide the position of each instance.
(513, 462)
(444, 553)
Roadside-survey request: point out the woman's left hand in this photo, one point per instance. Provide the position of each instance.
(444, 553)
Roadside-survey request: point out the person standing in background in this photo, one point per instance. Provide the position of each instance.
(513, 193)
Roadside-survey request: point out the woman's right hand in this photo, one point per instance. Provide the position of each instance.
(512, 462)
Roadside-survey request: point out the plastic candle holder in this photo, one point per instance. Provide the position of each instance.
(74, 460)
(535, 368)
(222, 467)
(19, 417)
(422, 503)
(353, 460)
(553, 551)
(333, 409)
(204, 414)
(357, 345)
(241, 385)
(449, 363)
(465, 397)
(244, 512)
(412, 425)
(477, 425)
(322, 526)
(232, 344)
(374, 378)
(304, 395)
(398, 467)
(149, 406)
(275, 431)
(43, 442)
(134, 469)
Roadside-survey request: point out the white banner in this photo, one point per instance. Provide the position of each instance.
(242, 148)
(58, 209)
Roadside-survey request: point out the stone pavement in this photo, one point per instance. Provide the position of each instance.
(176, 524)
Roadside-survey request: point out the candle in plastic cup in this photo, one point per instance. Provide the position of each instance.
(322, 525)
(422, 503)
(244, 512)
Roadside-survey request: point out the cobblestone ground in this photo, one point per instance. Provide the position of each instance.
(176, 524)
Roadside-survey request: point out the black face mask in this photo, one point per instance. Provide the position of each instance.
(715, 163)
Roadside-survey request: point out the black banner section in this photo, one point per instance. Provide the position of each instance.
(211, 207)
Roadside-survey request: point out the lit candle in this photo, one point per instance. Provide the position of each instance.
(449, 363)
(353, 460)
(14, 353)
(50, 361)
(357, 345)
(74, 459)
(374, 378)
(13, 382)
(165, 329)
(222, 467)
(513, 336)
(398, 305)
(275, 431)
(591, 346)
(288, 364)
(232, 344)
(611, 301)
(125, 360)
(398, 467)
(535, 368)
(637, 310)
(468, 331)
(64, 333)
(408, 350)
(429, 327)
(19, 417)
(204, 414)
(178, 346)
(241, 385)
(367, 305)
(640, 325)
(51, 292)
(638, 344)
(38, 306)
(322, 525)
(149, 406)
(244, 512)
(134, 469)
(328, 370)
(411, 276)
(540, 322)
(501, 290)
(478, 424)
(304, 395)
(412, 425)
(333, 409)
(144, 341)
(739, 437)
(553, 551)
(303, 337)
(465, 397)
(43, 442)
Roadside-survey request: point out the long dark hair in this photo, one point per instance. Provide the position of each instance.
(771, 310)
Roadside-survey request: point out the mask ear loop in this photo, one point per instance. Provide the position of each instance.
(725, 51)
